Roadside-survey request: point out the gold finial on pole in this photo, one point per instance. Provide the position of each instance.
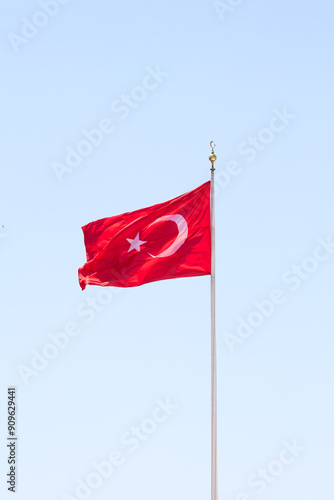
(212, 157)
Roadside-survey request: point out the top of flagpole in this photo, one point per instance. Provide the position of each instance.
(212, 157)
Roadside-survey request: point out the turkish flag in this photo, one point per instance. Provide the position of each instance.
(165, 241)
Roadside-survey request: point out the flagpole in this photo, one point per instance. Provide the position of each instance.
(214, 481)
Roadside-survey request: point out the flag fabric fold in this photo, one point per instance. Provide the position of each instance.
(164, 241)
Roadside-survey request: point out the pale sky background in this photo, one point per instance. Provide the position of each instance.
(225, 78)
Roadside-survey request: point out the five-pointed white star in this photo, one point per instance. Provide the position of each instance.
(135, 244)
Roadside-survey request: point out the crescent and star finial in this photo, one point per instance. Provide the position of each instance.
(212, 157)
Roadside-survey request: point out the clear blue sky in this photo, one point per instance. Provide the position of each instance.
(161, 80)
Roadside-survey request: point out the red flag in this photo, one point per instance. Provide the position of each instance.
(169, 240)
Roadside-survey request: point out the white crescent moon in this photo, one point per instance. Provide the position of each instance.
(181, 237)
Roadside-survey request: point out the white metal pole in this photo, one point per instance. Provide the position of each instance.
(214, 480)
